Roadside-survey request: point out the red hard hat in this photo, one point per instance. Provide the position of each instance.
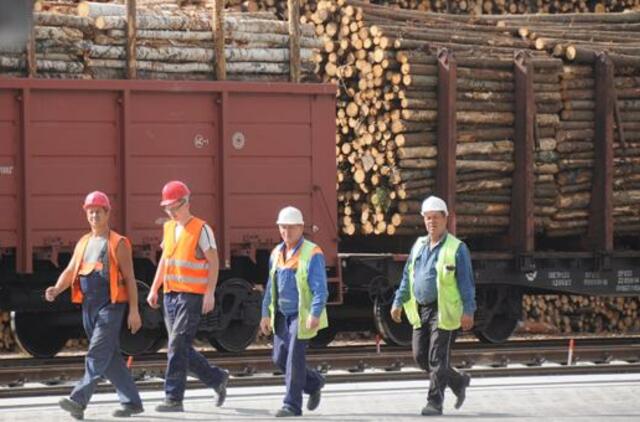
(97, 199)
(174, 191)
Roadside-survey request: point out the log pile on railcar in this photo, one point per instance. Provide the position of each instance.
(385, 62)
(568, 314)
(466, 7)
(89, 41)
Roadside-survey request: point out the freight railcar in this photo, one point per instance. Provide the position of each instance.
(246, 150)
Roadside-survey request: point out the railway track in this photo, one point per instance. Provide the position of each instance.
(36, 377)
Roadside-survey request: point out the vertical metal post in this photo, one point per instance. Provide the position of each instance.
(125, 133)
(294, 40)
(224, 181)
(32, 64)
(218, 35)
(522, 204)
(24, 253)
(132, 31)
(601, 215)
(447, 136)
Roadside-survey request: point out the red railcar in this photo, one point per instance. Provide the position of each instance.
(246, 150)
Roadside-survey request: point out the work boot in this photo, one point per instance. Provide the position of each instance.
(170, 406)
(462, 394)
(314, 398)
(75, 410)
(286, 412)
(431, 410)
(221, 390)
(127, 410)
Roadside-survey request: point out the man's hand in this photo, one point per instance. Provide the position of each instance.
(312, 322)
(467, 322)
(396, 314)
(265, 325)
(51, 293)
(208, 302)
(134, 322)
(152, 299)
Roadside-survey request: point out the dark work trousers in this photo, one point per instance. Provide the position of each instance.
(432, 352)
(102, 322)
(289, 356)
(182, 313)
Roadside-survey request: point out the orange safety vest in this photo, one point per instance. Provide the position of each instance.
(117, 284)
(184, 272)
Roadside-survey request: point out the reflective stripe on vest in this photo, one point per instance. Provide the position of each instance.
(449, 300)
(184, 271)
(117, 285)
(305, 296)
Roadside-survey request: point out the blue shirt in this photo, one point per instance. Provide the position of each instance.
(287, 287)
(425, 287)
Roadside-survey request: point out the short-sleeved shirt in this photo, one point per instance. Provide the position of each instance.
(207, 239)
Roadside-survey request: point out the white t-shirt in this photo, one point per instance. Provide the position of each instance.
(207, 239)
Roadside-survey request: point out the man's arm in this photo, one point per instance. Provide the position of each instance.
(318, 284)
(65, 279)
(265, 322)
(125, 261)
(208, 301)
(464, 277)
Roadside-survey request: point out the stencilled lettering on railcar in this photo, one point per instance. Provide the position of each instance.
(592, 279)
(6, 170)
(560, 278)
(628, 281)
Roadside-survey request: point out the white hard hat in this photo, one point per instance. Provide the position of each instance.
(290, 215)
(433, 203)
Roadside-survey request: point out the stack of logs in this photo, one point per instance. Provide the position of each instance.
(175, 44)
(464, 7)
(7, 343)
(385, 64)
(570, 314)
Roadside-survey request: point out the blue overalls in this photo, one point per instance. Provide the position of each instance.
(182, 313)
(102, 321)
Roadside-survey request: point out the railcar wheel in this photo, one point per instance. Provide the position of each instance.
(324, 337)
(497, 330)
(151, 337)
(391, 332)
(238, 307)
(35, 335)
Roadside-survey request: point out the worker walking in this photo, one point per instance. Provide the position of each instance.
(188, 271)
(100, 274)
(293, 309)
(438, 296)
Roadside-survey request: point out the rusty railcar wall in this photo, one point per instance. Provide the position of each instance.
(246, 149)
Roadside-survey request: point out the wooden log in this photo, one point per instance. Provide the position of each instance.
(202, 55)
(218, 29)
(293, 7)
(131, 38)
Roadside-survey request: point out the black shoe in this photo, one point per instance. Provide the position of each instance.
(127, 410)
(170, 406)
(286, 412)
(431, 410)
(462, 394)
(221, 390)
(75, 410)
(314, 398)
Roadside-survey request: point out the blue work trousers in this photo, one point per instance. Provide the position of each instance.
(289, 356)
(102, 322)
(182, 313)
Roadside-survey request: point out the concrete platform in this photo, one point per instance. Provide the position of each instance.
(557, 398)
